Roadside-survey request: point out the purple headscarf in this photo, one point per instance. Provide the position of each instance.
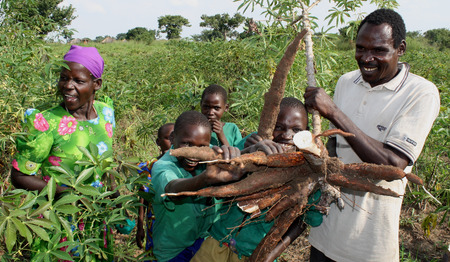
(88, 57)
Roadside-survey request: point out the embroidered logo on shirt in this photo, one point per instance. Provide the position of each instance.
(381, 128)
(412, 142)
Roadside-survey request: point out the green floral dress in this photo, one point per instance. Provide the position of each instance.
(53, 137)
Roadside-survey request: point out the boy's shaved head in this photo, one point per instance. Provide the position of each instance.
(163, 129)
(215, 89)
(292, 102)
(191, 118)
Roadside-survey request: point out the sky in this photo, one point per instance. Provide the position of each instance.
(111, 17)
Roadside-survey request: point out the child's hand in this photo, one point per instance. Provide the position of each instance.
(227, 152)
(267, 146)
(217, 127)
(216, 174)
(252, 139)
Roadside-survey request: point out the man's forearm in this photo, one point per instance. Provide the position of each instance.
(368, 149)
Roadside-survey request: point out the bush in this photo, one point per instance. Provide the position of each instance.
(440, 37)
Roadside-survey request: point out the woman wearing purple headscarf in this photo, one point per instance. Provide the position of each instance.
(54, 134)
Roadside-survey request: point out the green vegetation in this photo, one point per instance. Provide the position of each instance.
(152, 84)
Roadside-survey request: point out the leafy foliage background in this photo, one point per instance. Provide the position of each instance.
(152, 84)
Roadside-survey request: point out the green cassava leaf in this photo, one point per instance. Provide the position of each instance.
(51, 188)
(43, 207)
(66, 200)
(10, 235)
(61, 255)
(41, 222)
(39, 231)
(68, 209)
(85, 174)
(87, 190)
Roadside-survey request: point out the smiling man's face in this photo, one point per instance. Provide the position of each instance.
(375, 53)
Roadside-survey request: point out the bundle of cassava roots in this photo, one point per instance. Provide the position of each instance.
(279, 185)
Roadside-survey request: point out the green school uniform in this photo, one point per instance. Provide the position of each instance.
(178, 223)
(232, 134)
(241, 240)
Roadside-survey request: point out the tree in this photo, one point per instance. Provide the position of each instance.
(349, 31)
(223, 24)
(207, 36)
(441, 37)
(172, 25)
(250, 29)
(99, 38)
(43, 16)
(141, 34)
(121, 36)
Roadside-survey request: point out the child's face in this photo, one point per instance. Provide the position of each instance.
(191, 135)
(213, 106)
(289, 122)
(164, 140)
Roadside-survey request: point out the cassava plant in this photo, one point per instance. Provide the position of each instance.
(68, 226)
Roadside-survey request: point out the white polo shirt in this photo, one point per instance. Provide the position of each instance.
(399, 113)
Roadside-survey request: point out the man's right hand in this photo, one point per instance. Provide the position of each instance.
(316, 98)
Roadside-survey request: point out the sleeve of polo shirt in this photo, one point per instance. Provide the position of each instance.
(410, 129)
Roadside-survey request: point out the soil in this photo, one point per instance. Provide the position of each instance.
(413, 243)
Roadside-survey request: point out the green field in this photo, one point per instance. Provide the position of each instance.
(153, 84)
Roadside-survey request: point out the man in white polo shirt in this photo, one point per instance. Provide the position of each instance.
(390, 111)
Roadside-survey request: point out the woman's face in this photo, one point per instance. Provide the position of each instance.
(77, 86)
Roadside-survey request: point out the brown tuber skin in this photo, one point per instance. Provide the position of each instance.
(272, 98)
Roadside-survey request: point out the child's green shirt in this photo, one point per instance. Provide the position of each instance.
(178, 223)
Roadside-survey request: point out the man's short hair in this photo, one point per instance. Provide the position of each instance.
(191, 118)
(215, 89)
(390, 17)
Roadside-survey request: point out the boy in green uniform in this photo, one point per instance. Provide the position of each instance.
(182, 223)
(213, 106)
(230, 242)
